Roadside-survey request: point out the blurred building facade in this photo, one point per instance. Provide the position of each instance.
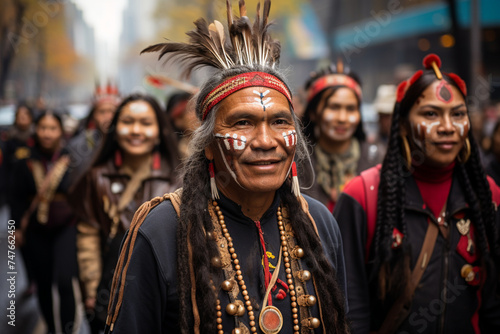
(383, 40)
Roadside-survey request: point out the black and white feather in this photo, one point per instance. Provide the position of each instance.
(242, 43)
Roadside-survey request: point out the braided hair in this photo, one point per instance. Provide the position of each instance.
(195, 220)
(390, 263)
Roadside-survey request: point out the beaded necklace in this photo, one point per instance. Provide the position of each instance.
(270, 320)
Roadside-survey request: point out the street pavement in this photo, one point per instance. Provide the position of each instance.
(28, 319)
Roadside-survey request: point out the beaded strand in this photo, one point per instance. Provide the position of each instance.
(231, 308)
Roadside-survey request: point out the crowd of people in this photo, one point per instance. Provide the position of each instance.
(231, 211)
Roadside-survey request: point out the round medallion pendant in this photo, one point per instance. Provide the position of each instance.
(270, 320)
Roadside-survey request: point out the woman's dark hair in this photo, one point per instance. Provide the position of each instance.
(325, 94)
(49, 112)
(392, 276)
(195, 220)
(168, 142)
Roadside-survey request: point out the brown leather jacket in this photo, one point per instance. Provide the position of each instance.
(94, 199)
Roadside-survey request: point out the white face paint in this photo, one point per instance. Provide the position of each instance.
(233, 142)
(461, 126)
(431, 126)
(328, 117)
(124, 131)
(148, 133)
(239, 144)
(353, 119)
(290, 138)
(264, 102)
(138, 107)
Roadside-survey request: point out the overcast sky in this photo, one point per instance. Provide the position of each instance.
(106, 18)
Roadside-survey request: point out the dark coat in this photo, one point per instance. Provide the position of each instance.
(443, 301)
(150, 302)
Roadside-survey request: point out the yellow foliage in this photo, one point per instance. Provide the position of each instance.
(177, 17)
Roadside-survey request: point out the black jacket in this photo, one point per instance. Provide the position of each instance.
(150, 302)
(443, 302)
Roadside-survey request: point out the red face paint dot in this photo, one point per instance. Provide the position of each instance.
(443, 92)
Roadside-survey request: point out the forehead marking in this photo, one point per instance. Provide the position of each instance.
(138, 107)
(264, 102)
(443, 92)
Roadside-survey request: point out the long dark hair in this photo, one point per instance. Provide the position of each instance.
(195, 220)
(391, 196)
(325, 94)
(168, 142)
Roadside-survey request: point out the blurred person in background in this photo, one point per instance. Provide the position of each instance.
(86, 142)
(183, 118)
(421, 233)
(384, 106)
(492, 158)
(46, 228)
(333, 124)
(14, 145)
(23, 128)
(136, 162)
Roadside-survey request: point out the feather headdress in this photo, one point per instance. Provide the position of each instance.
(213, 46)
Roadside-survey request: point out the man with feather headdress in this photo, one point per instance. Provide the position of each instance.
(238, 249)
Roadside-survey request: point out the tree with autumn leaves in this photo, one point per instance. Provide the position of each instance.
(36, 54)
(175, 18)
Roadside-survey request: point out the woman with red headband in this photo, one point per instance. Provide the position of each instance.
(332, 121)
(423, 250)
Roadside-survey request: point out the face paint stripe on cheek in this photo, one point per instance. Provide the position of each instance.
(232, 141)
(290, 138)
(148, 133)
(463, 128)
(124, 131)
(353, 119)
(241, 141)
(429, 129)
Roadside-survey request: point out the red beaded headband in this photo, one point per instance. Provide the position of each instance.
(234, 84)
(431, 61)
(333, 80)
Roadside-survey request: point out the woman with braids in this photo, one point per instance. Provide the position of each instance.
(333, 123)
(136, 162)
(421, 233)
(46, 223)
(237, 249)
